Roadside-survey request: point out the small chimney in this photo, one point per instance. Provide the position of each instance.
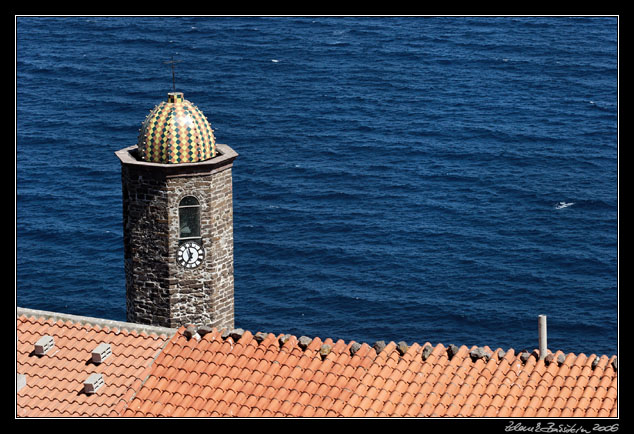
(543, 336)
(101, 352)
(43, 345)
(93, 383)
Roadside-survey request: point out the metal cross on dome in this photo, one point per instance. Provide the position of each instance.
(172, 62)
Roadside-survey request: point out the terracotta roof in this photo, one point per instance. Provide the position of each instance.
(55, 380)
(267, 375)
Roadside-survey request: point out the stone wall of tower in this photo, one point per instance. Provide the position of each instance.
(204, 295)
(146, 246)
(160, 291)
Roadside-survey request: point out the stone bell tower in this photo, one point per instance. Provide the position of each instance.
(178, 220)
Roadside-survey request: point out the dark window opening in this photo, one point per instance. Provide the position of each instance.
(189, 218)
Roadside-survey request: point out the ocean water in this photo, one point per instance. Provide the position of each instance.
(418, 179)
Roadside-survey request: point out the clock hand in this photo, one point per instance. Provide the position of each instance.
(193, 255)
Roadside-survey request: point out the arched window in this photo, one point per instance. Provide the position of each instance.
(189, 218)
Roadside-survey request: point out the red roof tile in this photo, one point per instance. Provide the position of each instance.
(150, 375)
(368, 384)
(54, 381)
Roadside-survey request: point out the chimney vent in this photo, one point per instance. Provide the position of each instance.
(101, 352)
(43, 345)
(93, 383)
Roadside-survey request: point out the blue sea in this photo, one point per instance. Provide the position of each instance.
(417, 179)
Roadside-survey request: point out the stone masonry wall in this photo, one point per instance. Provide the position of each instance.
(204, 295)
(146, 247)
(159, 291)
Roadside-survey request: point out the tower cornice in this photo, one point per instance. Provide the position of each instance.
(222, 161)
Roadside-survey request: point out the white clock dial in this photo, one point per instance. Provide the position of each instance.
(190, 254)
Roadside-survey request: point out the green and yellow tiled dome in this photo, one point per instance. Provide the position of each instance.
(176, 131)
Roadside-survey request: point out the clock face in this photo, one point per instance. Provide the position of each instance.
(190, 254)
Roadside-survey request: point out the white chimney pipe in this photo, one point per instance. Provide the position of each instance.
(543, 336)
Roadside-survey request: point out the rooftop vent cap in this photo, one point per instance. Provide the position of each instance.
(101, 352)
(20, 382)
(93, 383)
(43, 345)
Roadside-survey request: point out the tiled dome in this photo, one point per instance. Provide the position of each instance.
(176, 131)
